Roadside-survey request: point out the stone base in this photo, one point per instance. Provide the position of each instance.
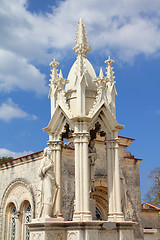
(116, 217)
(73, 230)
(85, 216)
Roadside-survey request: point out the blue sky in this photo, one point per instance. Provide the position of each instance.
(34, 32)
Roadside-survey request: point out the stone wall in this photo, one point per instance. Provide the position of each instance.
(150, 219)
(24, 170)
(68, 173)
(129, 167)
(19, 183)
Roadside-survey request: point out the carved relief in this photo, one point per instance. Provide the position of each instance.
(69, 144)
(37, 236)
(72, 236)
(54, 236)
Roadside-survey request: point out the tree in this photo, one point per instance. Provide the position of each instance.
(5, 159)
(153, 195)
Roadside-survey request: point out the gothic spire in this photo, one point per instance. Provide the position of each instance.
(54, 75)
(82, 47)
(110, 71)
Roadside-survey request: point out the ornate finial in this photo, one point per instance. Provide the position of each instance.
(57, 91)
(57, 79)
(54, 75)
(109, 70)
(54, 63)
(111, 90)
(82, 47)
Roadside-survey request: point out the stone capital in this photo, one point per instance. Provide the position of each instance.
(55, 144)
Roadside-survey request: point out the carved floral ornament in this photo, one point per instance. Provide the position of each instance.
(73, 236)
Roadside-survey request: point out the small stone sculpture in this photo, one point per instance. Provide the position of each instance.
(92, 157)
(124, 199)
(49, 186)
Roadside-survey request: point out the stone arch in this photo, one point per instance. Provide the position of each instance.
(16, 193)
(15, 185)
(100, 194)
(7, 219)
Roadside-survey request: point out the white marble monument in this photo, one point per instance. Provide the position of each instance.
(81, 105)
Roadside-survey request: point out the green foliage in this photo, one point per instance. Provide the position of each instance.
(153, 195)
(5, 159)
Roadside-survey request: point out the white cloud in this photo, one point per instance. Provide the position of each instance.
(123, 28)
(129, 25)
(16, 72)
(9, 110)
(7, 153)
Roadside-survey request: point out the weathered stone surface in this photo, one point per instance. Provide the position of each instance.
(26, 171)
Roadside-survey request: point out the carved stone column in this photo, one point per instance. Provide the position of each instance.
(109, 175)
(114, 195)
(56, 147)
(81, 139)
(58, 172)
(117, 179)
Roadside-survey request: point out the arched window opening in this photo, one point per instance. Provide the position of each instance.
(13, 224)
(27, 220)
(99, 215)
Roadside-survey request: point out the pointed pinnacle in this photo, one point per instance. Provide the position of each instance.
(109, 69)
(101, 73)
(82, 47)
(60, 74)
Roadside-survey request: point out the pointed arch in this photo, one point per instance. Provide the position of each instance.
(107, 120)
(57, 123)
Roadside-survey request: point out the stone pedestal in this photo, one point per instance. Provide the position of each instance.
(71, 230)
